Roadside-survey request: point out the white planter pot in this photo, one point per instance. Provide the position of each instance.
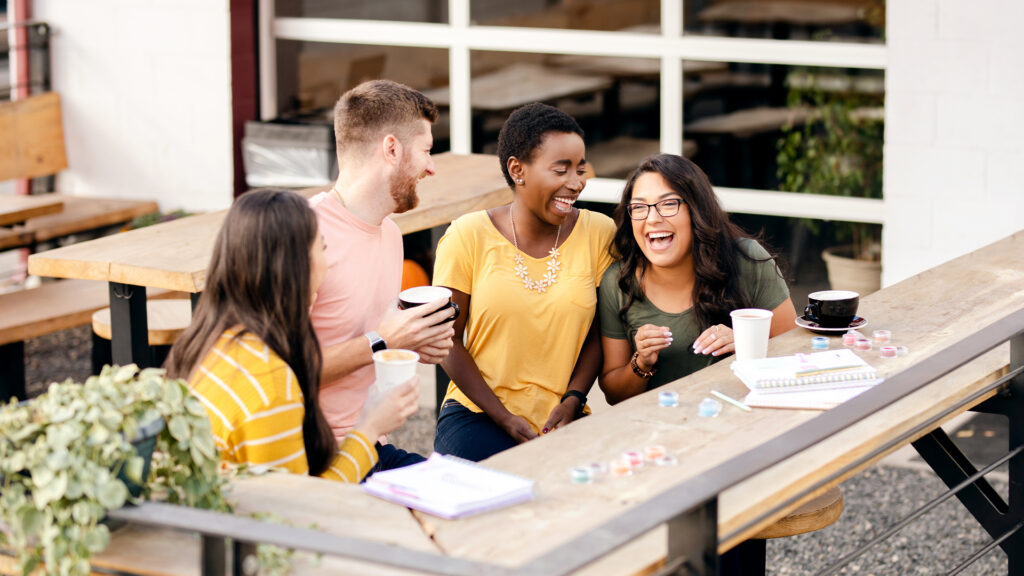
(845, 273)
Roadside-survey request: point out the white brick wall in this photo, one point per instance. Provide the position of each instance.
(146, 93)
(954, 153)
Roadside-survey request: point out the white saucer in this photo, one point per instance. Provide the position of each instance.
(804, 322)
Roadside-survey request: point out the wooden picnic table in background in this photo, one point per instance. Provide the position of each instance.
(174, 255)
(780, 11)
(15, 209)
(519, 84)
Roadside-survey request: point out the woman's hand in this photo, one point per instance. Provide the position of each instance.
(716, 340)
(562, 414)
(649, 341)
(518, 428)
(386, 411)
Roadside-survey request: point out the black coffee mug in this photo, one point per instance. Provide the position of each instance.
(832, 308)
(420, 295)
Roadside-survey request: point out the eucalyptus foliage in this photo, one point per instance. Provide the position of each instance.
(837, 152)
(62, 452)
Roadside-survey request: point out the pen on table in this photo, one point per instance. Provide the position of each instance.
(731, 400)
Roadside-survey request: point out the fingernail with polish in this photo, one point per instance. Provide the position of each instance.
(545, 431)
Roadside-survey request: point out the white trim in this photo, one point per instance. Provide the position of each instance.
(585, 42)
(268, 60)
(459, 108)
(770, 203)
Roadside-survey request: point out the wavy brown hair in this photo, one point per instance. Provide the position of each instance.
(259, 279)
(716, 290)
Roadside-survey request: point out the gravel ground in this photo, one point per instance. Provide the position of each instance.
(874, 500)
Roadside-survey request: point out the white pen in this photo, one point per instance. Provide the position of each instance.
(731, 400)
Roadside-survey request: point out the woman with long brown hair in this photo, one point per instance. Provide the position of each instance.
(682, 267)
(252, 358)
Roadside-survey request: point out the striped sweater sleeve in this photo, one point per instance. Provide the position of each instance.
(356, 456)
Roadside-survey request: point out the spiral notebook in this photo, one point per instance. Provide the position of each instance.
(827, 370)
(449, 487)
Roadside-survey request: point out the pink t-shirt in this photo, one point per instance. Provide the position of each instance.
(364, 276)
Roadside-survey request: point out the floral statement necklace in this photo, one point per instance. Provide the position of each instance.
(538, 286)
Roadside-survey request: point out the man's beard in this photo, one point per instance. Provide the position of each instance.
(403, 189)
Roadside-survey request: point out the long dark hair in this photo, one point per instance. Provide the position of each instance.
(716, 289)
(259, 279)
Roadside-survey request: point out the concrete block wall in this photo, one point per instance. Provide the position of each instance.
(954, 141)
(146, 95)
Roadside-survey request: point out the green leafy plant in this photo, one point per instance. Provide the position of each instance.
(67, 457)
(837, 151)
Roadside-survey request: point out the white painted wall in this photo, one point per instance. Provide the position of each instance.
(954, 123)
(146, 96)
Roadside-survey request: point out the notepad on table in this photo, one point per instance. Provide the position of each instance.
(812, 400)
(449, 487)
(826, 370)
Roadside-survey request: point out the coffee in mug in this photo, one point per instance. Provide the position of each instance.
(394, 367)
(832, 308)
(420, 295)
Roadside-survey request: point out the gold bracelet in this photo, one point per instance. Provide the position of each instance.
(636, 367)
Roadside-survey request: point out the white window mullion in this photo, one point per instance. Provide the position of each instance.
(671, 80)
(459, 72)
(268, 60)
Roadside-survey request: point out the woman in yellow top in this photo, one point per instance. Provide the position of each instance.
(525, 276)
(251, 356)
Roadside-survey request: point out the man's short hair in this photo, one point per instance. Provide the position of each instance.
(378, 107)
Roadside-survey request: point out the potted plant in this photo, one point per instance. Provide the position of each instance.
(77, 451)
(838, 151)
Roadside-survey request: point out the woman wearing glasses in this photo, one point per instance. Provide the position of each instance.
(683, 266)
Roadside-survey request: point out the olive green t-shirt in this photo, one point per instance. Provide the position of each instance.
(760, 281)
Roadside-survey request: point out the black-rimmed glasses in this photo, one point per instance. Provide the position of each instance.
(665, 208)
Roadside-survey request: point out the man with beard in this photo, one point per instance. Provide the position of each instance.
(382, 130)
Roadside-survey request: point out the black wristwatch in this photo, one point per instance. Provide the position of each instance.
(376, 342)
(579, 396)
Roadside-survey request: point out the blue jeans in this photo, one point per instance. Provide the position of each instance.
(467, 434)
(389, 458)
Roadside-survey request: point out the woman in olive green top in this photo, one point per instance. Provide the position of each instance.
(682, 267)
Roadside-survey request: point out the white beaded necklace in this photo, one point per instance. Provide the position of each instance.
(539, 286)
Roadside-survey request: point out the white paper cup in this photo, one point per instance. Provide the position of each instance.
(394, 367)
(750, 328)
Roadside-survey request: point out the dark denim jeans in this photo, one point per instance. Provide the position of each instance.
(467, 434)
(389, 458)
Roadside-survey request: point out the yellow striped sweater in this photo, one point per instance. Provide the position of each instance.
(256, 411)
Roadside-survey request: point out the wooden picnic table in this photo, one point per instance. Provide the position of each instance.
(15, 209)
(780, 11)
(630, 68)
(174, 255)
(520, 84)
(927, 313)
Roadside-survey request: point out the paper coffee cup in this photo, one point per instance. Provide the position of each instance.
(750, 328)
(394, 367)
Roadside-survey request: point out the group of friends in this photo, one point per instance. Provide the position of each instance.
(300, 293)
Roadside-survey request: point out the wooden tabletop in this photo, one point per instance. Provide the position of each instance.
(623, 67)
(787, 11)
(519, 84)
(15, 209)
(174, 255)
(340, 509)
(745, 123)
(926, 313)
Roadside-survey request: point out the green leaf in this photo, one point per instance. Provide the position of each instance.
(30, 521)
(133, 469)
(204, 443)
(96, 539)
(179, 429)
(173, 393)
(112, 494)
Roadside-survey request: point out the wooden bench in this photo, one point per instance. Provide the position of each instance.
(166, 320)
(617, 157)
(52, 307)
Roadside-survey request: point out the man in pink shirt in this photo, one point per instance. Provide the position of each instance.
(382, 130)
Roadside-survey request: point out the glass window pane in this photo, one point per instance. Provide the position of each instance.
(638, 15)
(824, 20)
(792, 128)
(394, 10)
(615, 100)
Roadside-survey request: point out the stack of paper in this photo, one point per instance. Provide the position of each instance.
(818, 381)
(449, 487)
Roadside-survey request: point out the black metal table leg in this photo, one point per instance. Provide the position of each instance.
(129, 340)
(693, 542)
(440, 386)
(12, 371)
